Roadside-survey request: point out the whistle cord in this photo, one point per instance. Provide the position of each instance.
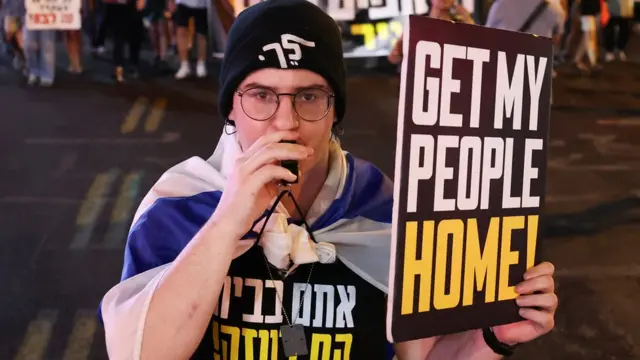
(264, 225)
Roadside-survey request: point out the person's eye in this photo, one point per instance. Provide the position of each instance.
(308, 96)
(261, 94)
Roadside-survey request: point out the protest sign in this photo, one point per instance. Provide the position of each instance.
(470, 176)
(369, 27)
(53, 14)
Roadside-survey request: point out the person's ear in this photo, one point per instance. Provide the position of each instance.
(230, 127)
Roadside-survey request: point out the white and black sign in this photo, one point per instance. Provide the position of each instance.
(470, 176)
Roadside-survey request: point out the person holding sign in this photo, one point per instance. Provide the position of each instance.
(438, 9)
(278, 245)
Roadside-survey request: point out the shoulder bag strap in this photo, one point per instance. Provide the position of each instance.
(534, 16)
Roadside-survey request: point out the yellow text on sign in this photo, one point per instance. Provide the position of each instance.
(480, 267)
(377, 32)
(228, 340)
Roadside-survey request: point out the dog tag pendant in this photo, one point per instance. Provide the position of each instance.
(294, 341)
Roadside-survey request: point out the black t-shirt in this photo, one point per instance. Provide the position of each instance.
(343, 315)
(590, 7)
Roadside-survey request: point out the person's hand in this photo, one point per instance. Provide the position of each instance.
(253, 183)
(140, 4)
(460, 9)
(538, 304)
(395, 57)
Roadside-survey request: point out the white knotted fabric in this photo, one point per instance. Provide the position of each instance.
(285, 243)
(361, 244)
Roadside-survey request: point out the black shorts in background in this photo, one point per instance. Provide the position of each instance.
(184, 13)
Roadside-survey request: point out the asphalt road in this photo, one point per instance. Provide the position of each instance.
(77, 158)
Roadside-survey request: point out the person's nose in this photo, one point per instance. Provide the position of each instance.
(286, 117)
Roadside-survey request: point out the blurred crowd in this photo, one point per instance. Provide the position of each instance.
(581, 29)
(173, 27)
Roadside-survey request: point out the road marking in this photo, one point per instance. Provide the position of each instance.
(562, 162)
(28, 200)
(572, 198)
(167, 137)
(36, 340)
(92, 207)
(133, 117)
(123, 211)
(620, 122)
(82, 335)
(595, 272)
(67, 163)
(162, 162)
(613, 168)
(566, 163)
(155, 117)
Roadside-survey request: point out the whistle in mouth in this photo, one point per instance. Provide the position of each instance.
(291, 165)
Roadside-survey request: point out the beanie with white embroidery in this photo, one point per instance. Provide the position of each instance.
(283, 34)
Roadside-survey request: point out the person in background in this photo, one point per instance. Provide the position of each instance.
(184, 11)
(542, 18)
(590, 24)
(155, 13)
(13, 12)
(40, 52)
(523, 15)
(73, 41)
(449, 10)
(438, 9)
(98, 26)
(124, 19)
(571, 34)
(622, 12)
(172, 37)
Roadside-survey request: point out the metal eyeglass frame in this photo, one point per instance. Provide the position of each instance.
(293, 95)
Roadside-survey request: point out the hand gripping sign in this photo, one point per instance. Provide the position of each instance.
(470, 176)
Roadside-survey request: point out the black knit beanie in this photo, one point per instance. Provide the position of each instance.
(283, 34)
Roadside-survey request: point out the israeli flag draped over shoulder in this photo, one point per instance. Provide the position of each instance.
(352, 213)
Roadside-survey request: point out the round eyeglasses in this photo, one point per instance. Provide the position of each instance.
(260, 104)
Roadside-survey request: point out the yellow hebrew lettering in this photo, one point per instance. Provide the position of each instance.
(323, 340)
(274, 344)
(216, 340)
(382, 31)
(264, 344)
(234, 332)
(347, 339)
(396, 30)
(249, 335)
(369, 33)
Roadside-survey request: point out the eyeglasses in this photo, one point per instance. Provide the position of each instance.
(261, 103)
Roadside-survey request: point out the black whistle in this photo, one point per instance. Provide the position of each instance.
(291, 165)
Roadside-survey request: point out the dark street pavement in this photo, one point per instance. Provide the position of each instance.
(76, 160)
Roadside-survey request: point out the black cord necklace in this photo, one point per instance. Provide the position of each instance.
(293, 338)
